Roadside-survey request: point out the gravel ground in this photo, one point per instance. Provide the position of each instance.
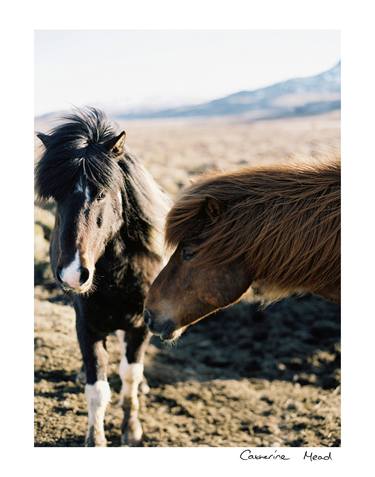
(243, 377)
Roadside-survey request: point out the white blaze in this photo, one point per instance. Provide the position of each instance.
(79, 187)
(71, 274)
(87, 194)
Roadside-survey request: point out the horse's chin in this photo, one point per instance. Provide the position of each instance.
(173, 336)
(86, 289)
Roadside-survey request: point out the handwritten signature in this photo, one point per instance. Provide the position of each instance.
(248, 454)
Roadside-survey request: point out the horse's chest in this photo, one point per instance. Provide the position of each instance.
(115, 304)
(105, 313)
(120, 291)
(121, 288)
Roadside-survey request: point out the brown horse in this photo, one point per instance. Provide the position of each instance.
(275, 229)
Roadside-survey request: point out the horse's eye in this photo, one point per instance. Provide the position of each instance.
(100, 196)
(187, 254)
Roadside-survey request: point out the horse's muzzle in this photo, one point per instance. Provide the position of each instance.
(163, 327)
(78, 282)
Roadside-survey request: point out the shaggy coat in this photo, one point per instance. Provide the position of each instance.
(110, 215)
(282, 221)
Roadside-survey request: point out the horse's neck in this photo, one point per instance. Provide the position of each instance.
(114, 256)
(146, 222)
(141, 234)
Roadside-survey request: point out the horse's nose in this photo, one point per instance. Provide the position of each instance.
(164, 327)
(85, 275)
(72, 276)
(148, 316)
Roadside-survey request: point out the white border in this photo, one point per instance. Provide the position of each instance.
(16, 217)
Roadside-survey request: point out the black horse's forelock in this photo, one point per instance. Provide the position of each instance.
(76, 149)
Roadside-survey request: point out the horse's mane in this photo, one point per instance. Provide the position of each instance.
(284, 221)
(75, 149)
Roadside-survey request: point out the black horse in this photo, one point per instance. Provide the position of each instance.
(106, 249)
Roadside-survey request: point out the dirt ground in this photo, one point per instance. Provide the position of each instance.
(243, 377)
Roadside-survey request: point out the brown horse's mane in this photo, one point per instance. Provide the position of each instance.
(282, 220)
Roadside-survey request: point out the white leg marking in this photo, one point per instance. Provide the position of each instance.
(124, 362)
(98, 396)
(122, 371)
(72, 273)
(131, 376)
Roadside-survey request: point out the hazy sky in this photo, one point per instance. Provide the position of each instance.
(119, 69)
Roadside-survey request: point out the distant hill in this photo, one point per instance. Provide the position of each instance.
(294, 97)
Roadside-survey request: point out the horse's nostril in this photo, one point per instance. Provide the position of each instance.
(147, 316)
(58, 273)
(85, 274)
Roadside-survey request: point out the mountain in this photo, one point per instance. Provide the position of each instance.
(294, 97)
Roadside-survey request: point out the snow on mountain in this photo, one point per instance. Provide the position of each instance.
(294, 97)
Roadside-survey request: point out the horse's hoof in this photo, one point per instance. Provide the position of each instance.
(94, 439)
(95, 442)
(128, 441)
(144, 387)
(132, 435)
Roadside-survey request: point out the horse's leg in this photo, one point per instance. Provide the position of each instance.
(144, 388)
(131, 373)
(97, 390)
(81, 376)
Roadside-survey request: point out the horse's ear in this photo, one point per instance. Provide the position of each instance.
(116, 145)
(44, 138)
(212, 208)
